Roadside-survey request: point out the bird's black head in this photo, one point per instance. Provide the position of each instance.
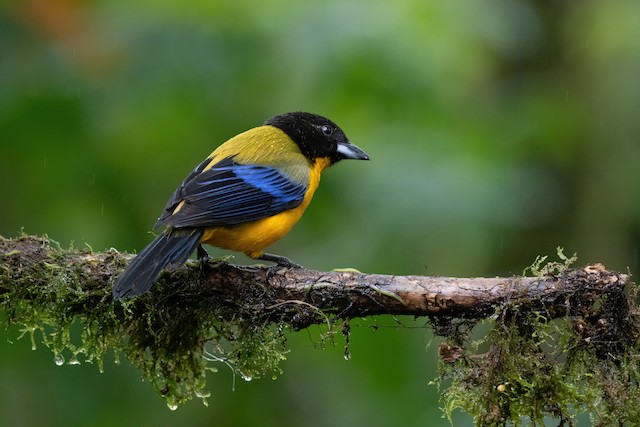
(317, 136)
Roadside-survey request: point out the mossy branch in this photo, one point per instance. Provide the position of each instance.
(237, 315)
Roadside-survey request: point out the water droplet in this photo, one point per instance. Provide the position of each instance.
(74, 361)
(202, 394)
(247, 377)
(172, 406)
(347, 355)
(59, 359)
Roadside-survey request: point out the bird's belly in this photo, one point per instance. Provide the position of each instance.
(253, 237)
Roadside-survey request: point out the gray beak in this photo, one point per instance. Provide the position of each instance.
(347, 150)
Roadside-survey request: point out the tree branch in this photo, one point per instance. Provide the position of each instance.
(347, 294)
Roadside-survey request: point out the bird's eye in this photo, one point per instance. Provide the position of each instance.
(326, 130)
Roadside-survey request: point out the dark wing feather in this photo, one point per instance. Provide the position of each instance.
(178, 195)
(231, 193)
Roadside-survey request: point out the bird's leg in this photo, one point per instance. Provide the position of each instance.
(203, 257)
(279, 260)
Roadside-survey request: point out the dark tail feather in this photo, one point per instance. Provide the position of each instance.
(167, 250)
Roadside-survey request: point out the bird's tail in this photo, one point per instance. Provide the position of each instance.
(169, 250)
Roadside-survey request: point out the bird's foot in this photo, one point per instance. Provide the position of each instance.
(279, 260)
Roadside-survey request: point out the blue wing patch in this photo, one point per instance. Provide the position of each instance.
(231, 193)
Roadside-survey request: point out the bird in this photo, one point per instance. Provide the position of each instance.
(247, 194)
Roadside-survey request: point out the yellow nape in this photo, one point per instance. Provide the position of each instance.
(264, 145)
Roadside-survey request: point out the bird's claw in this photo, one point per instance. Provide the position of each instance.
(281, 262)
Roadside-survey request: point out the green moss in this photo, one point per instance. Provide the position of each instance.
(540, 269)
(173, 338)
(529, 366)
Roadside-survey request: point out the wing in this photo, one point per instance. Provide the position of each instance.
(230, 193)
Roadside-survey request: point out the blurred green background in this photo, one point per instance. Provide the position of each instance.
(498, 131)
